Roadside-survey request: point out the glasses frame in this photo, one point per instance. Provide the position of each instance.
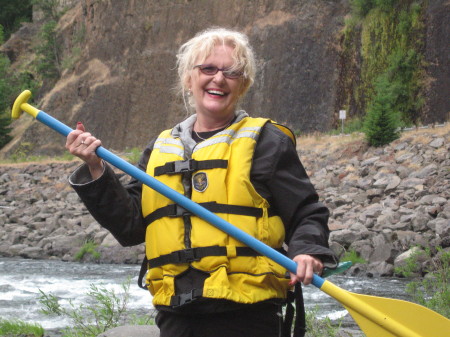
(225, 71)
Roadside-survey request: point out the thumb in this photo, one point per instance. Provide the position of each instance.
(80, 126)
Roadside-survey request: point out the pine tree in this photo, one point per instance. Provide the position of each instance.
(382, 121)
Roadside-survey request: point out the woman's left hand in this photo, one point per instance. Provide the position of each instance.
(307, 266)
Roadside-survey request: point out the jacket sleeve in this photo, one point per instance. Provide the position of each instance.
(115, 206)
(279, 176)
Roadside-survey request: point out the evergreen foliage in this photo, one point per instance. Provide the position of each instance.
(13, 13)
(48, 65)
(381, 122)
(11, 82)
(391, 65)
(5, 93)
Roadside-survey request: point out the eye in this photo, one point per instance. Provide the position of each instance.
(209, 70)
(232, 73)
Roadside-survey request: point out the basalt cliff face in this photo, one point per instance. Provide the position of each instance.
(120, 83)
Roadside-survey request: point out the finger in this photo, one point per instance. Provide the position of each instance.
(309, 271)
(83, 139)
(72, 137)
(92, 143)
(80, 126)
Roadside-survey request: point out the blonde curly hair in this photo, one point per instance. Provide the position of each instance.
(197, 49)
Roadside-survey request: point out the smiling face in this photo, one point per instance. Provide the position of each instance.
(215, 96)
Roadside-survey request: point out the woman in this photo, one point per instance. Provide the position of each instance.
(203, 282)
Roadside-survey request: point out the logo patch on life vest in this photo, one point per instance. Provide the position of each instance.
(200, 181)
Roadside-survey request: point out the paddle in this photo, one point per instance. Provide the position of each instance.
(376, 316)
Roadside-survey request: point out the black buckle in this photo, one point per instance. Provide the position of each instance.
(184, 298)
(183, 165)
(178, 211)
(187, 255)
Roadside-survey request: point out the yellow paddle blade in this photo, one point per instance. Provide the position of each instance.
(387, 317)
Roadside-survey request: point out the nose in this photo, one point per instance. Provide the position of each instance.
(218, 77)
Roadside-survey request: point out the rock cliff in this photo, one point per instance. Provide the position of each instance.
(120, 81)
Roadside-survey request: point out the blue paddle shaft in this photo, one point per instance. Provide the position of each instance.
(183, 201)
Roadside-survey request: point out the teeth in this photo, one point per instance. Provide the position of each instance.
(216, 92)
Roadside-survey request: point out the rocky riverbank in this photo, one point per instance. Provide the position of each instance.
(383, 202)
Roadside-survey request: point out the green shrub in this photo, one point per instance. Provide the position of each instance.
(362, 7)
(105, 310)
(432, 291)
(353, 257)
(13, 328)
(88, 248)
(316, 327)
(133, 155)
(351, 125)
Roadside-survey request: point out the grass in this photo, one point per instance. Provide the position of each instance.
(432, 291)
(88, 248)
(103, 310)
(316, 327)
(16, 327)
(353, 257)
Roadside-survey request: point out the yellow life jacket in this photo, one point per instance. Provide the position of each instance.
(218, 173)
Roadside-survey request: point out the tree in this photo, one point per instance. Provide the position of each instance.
(13, 13)
(382, 121)
(5, 94)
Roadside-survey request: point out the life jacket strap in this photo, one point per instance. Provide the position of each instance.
(177, 300)
(299, 313)
(190, 165)
(175, 210)
(195, 254)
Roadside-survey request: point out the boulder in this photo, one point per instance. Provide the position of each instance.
(132, 331)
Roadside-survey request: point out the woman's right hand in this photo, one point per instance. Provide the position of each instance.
(83, 145)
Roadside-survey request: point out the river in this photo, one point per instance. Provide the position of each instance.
(21, 280)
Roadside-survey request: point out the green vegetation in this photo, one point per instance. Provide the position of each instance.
(316, 327)
(13, 13)
(133, 155)
(22, 155)
(11, 81)
(352, 125)
(13, 328)
(89, 247)
(105, 310)
(353, 257)
(432, 291)
(48, 63)
(384, 39)
(381, 122)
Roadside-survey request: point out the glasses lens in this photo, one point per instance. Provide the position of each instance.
(209, 70)
(212, 70)
(232, 74)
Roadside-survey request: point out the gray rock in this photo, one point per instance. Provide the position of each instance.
(417, 252)
(383, 253)
(437, 143)
(132, 331)
(380, 269)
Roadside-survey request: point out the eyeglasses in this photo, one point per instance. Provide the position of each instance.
(210, 70)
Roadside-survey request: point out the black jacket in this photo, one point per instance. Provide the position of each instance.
(276, 173)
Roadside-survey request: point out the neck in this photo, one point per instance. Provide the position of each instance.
(203, 124)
